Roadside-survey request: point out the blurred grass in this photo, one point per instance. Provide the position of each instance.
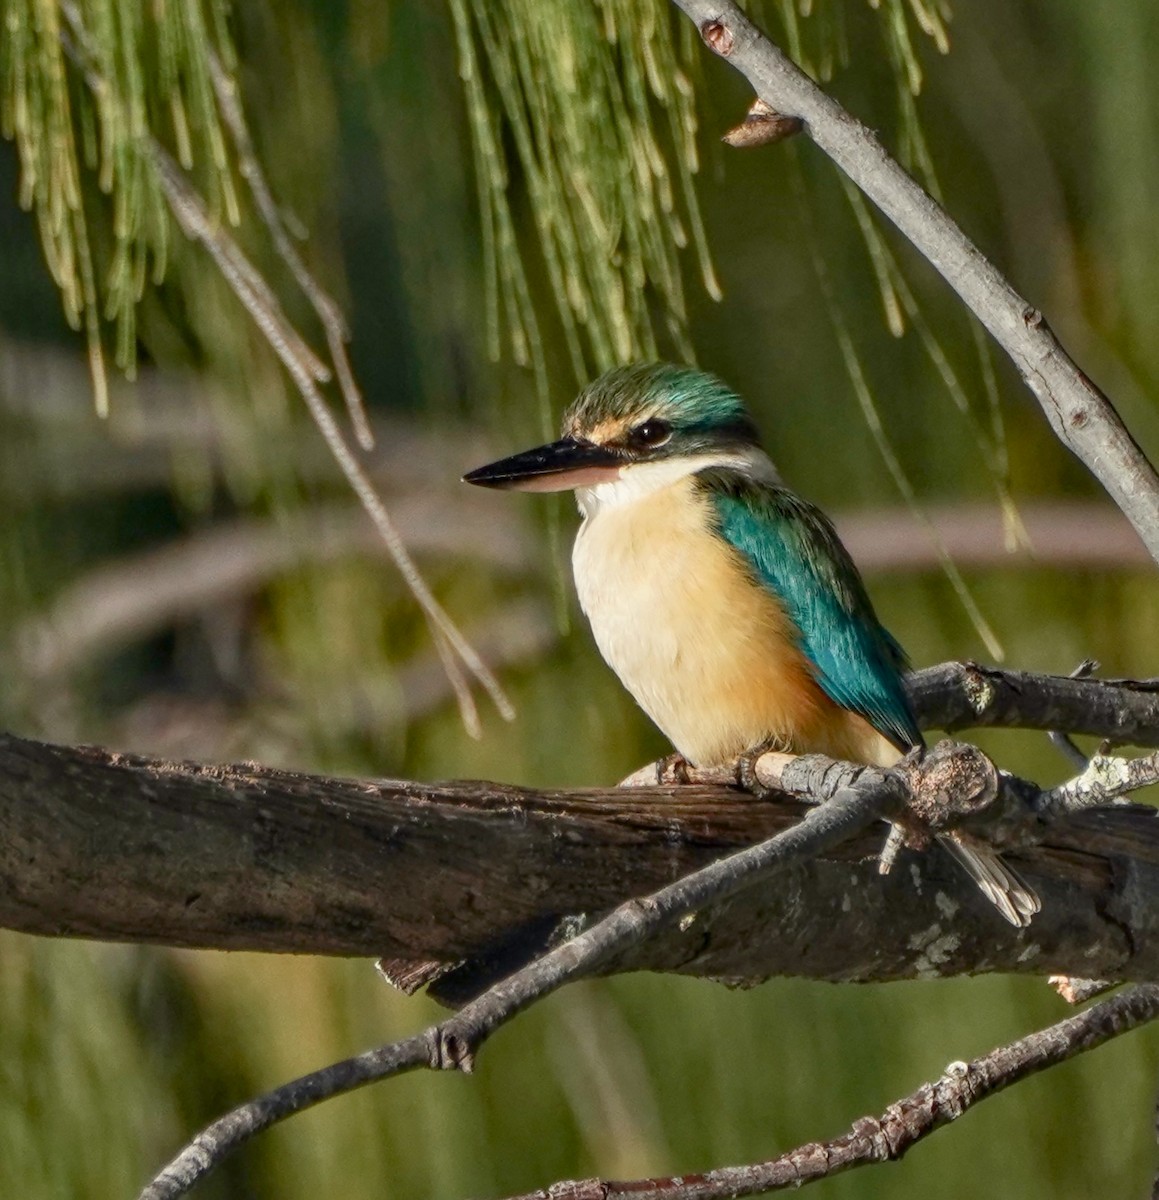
(110, 1056)
(632, 1076)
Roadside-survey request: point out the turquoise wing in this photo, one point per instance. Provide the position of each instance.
(794, 551)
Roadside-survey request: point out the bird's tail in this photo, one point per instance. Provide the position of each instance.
(1010, 894)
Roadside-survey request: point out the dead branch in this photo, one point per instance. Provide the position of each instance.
(965, 695)
(886, 1138)
(859, 796)
(1082, 417)
(104, 845)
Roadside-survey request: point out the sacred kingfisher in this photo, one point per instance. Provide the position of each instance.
(725, 603)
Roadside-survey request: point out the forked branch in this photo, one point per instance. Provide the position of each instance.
(854, 799)
(453, 1043)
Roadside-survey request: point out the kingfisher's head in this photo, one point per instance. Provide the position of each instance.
(653, 421)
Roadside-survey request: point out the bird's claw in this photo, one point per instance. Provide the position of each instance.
(670, 770)
(892, 846)
(746, 771)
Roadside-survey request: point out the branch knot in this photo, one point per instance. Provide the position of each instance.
(949, 784)
(449, 1051)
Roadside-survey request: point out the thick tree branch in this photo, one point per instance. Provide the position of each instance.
(95, 844)
(886, 1138)
(99, 844)
(1082, 417)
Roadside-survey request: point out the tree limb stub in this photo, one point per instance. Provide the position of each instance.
(1082, 417)
(102, 845)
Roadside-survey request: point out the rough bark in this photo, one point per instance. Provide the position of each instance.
(967, 695)
(97, 844)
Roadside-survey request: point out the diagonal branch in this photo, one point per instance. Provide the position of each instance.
(1084, 419)
(886, 1138)
(251, 290)
(453, 1043)
(324, 305)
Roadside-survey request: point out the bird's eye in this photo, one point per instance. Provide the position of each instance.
(651, 433)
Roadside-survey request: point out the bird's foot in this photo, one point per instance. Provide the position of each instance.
(671, 769)
(748, 774)
(904, 833)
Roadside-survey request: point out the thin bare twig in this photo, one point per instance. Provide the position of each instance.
(191, 213)
(453, 1043)
(1060, 738)
(333, 322)
(307, 371)
(886, 1138)
(1065, 745)
(1082, 417)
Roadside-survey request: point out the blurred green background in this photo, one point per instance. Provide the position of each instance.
(190, 576)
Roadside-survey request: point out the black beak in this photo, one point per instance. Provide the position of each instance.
(568, 463)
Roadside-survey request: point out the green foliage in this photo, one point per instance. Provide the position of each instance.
(85, 86)
(600, 108)
(598, 102)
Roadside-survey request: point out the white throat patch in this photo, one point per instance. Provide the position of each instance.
(642, 479)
